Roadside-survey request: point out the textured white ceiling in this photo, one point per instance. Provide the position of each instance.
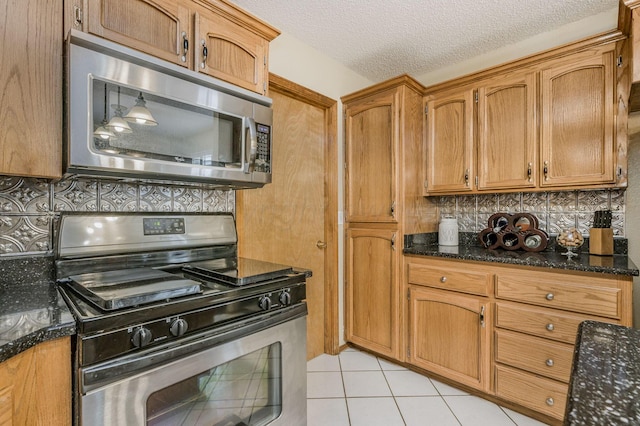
(380, 39)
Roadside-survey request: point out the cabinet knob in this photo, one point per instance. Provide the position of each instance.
(321, 244)
(443, 279)
(550, 402)
(549, 362)
(549, 296)
(550, 327)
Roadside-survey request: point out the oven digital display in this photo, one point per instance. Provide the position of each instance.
(163, 226)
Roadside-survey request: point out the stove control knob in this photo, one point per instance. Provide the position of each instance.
(264, 303)
(179, 327)
(141, 337)
(285, 298)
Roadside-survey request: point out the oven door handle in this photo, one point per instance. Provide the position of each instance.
(99, 375)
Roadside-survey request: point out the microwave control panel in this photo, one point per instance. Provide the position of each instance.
(263, 158)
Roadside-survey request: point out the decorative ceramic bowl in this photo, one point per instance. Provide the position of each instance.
(571, 239)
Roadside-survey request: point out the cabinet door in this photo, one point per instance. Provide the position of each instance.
(449, 335)
(157, 27)
(507, 133)
(31, 88)
(372, 290)
(227, 51)
(371, 156)
(578, 123)
(450, 148)
(35, 385)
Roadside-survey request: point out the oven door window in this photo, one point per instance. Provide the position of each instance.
(243, 391)
(135, 124)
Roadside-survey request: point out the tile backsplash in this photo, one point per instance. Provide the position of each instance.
(554, 210)
(29, 207)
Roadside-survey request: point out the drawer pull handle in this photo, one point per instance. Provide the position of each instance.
(443, 279)
(549, 362)
(549, 296)
(550, 402)
(550, 327)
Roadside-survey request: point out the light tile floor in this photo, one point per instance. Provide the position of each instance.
(356, 388)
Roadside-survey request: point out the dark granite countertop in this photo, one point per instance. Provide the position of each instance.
(618, 264)
(605, 381)
(31, 309)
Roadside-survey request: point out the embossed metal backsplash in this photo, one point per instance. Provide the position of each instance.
(554, 210)
(28, 207)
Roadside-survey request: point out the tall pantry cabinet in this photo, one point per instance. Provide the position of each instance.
(383, 203)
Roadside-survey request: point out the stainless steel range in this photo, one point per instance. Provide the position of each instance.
(175, 328)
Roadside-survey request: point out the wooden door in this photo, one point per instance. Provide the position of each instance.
(449, 335)
(293, 219)
(372, 290)
(227, 51)
(31, 88)
(157, 27)
(450, 144)
(507, 133)
(371, 155)
(578, 123)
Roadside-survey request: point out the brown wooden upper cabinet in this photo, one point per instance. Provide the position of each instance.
(577, 120)
(539, 125)
(31, 89)
(450, 147)
(507, 132)
(371, 129)
(213, 37)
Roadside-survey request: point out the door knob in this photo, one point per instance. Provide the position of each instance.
(321, 244)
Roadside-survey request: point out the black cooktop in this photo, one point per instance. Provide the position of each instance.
(131, 287)
(239, 271)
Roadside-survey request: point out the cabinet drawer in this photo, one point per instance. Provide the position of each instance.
(543, 395)
(569, 292)
(455, 278)
(540, 356)
(541, 322)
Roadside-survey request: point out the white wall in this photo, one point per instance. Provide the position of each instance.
(304, 65)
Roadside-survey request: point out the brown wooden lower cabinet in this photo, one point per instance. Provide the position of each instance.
(529, 390)
(372, 290)
(508, 331)
(450, 335)
(35, 385)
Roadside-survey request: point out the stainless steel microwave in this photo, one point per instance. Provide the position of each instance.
(130, 115)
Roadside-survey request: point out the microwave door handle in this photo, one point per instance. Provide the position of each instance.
(252, 148)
